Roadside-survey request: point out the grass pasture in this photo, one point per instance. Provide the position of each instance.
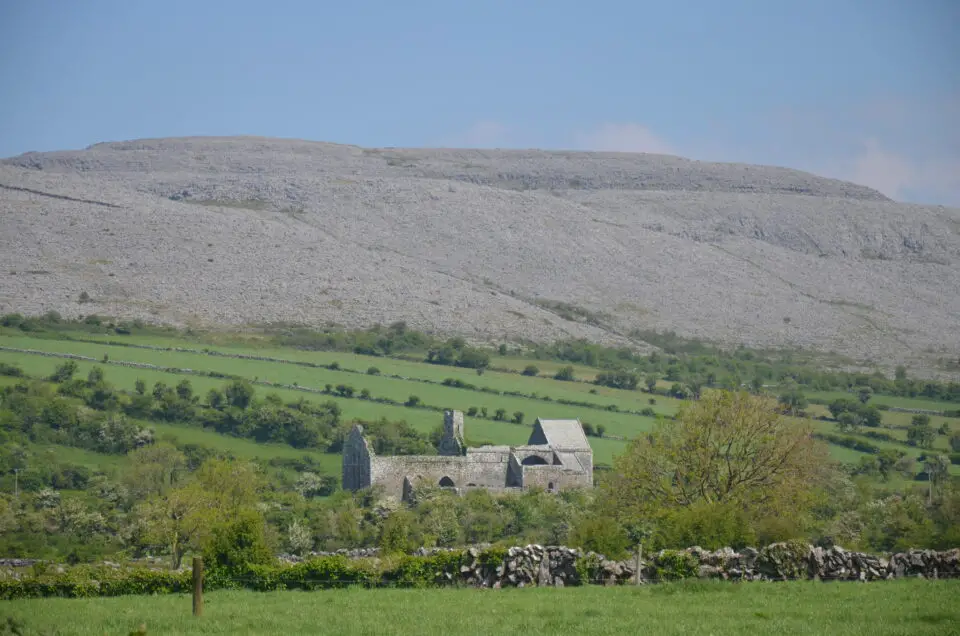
(500, 432)
(804, 607)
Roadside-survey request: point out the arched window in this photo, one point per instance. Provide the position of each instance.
(533, 460)
(446, 482)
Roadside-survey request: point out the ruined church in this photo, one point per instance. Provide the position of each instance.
(556, 457)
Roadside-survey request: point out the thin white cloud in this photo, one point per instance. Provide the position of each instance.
(481, 134)
(882, 170)
(623, 137)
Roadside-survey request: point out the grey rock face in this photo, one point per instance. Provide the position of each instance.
(248, 230)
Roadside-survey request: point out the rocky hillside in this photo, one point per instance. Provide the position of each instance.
(489, 244)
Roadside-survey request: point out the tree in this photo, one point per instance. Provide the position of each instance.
(185, 390)
(531, 370)
(518, 417)
(154, 470)
(955, 443)
(887, 461)
(64, 372)
(565, 374)
(937, 468)
(726, 448)
(794, 400)
(500, 415)
(864, 393)
(185, 516)
(921, 433)
(848, 422)
(601, 429)
(239, 393)
(651, 383)
(238, 541)
(140, 387)
(900, 373)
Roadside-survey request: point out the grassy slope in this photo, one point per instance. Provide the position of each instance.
(399, 389)
(890, 400)
(875, 609)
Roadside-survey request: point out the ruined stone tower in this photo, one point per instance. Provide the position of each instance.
(452, 443)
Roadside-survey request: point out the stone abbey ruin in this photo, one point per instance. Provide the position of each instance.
(556, 457)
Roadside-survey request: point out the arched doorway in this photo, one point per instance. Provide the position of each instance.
(446, 482)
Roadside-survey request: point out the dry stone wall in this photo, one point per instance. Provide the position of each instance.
(558, 566)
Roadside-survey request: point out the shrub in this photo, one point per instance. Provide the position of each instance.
(413, 400)
(518, 417)
(238, 543)
(530, 370)
(373, 371)
(11, 370)
(565, 374)
(674, 565)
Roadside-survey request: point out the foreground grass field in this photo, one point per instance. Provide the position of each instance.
(893, 607)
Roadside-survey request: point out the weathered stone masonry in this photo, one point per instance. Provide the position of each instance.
(556, 457)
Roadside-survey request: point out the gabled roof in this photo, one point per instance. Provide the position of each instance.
(561, 434)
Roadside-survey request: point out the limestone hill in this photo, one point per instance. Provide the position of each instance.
(490, 244)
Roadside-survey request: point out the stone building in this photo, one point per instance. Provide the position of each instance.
(556, 457)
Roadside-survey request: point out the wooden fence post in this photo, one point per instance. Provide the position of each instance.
(198, 586)
(639, 563)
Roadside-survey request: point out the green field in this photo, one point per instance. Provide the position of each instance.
(875, 609)
(415, 378)
(889, 400)
(379, 386)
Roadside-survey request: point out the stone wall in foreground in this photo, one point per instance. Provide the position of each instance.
(536, 565)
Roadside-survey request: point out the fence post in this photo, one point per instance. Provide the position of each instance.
(197, 586)
(639, 563)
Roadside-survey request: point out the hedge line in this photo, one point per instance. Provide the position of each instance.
(319, 573)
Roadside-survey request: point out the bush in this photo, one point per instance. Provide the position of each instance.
(238, 543)
(530, 370)
(373, 371)
(602, 535)
(675, 565)
(11, 370)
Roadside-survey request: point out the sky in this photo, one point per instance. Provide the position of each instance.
(863, 90)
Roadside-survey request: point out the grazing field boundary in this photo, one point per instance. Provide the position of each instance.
(497, 567)
(337, 368)
(306, 389)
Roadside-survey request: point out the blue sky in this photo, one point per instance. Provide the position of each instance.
(867, 90)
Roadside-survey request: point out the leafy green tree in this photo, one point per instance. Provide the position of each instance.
(601, 429)
(565, 374)
(185, 390)
(864, 393)
(239, 393)
(849, 422)
(726, 448)
(238, 541)
(64, 372)
(921, 433)
(955, 442)
(651, 383)
(140, 387)
(794, 400)
(95, 376)
(531, 370)
(500, 415)
(518, 417)
(887, 461)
